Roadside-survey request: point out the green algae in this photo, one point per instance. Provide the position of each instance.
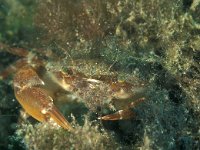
(155, 41)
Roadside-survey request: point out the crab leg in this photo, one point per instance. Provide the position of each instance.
(35, 99)
(27, 57)
(12, 68)
(16, 51)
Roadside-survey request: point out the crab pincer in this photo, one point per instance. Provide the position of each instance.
(34, 98)
(126, 113)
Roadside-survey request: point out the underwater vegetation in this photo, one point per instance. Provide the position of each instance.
(153, 42)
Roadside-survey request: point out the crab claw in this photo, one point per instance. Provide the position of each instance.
(120, 115)
(127, 113)
(35, 99)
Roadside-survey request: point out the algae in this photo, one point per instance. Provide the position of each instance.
(154, 41)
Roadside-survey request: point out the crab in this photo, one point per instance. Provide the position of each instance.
(36, 87)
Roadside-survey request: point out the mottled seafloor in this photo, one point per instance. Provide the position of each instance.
(154, 41)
